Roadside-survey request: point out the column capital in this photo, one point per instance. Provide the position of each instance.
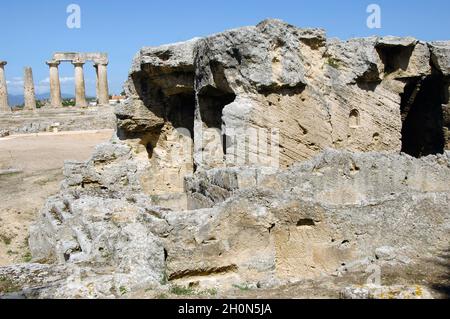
(3, 63)
(96, 64)
(53, 63)
(78, 63)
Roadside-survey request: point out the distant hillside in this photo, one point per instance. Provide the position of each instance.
(15, 100)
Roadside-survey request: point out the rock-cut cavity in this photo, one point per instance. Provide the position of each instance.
(422, 116)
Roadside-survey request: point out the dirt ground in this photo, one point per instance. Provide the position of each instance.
(30, 171)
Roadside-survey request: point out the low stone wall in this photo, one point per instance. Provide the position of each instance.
(61, 119)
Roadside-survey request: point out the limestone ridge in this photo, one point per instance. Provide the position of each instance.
(344, 196)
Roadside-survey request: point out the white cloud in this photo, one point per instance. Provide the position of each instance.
(15, 85)
(67, 79)
(63, 80)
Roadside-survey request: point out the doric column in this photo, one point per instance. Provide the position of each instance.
(102, 84)
(97, 94)
(4, 107)
(28, 93)
(55, 85)
(80, 90)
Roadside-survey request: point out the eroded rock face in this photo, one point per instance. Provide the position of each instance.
(292, 86)
(340, 209)
(335, 214)
(173, 200)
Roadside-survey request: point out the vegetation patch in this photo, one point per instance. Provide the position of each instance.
(11, 252)
(27, 257)
(182, 291)
(188, 291)
(6, 239)
(7, 286)
(242, 287)
(334, 63)
(123, 290)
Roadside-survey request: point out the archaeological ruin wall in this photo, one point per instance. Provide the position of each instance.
(52, 117)
(100, 61)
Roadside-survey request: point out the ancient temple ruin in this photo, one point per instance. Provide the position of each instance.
(100, 61)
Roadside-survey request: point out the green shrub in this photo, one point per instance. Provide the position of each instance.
(123, 290)
(334, 63)
(7, 286)
(27, 257)
(5, 239)
(182, 291)
(242, 288)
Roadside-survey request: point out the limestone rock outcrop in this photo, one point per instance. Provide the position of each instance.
(338, 212)
(294, 87)
(259, 156)
(338, 209)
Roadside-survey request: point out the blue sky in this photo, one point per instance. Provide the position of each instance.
(32, 30)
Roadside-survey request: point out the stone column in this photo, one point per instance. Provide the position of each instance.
(97, 94)
(102, 84)
(28, 93)
(4, 107)
(55, 85)
(80, 90)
